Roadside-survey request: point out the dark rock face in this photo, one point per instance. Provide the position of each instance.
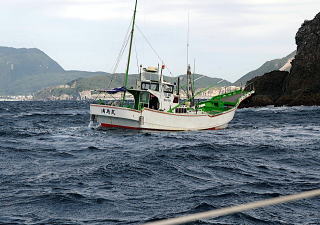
(269, 88)
(302, 85)
(304, 79)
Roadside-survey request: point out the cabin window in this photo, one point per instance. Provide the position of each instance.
(154, 87)
(145, 86)
(150, 86)
(168, 88)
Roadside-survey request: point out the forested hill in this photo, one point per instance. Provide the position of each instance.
(25, 71)
(109, 81)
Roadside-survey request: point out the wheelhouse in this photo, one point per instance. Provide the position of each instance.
(144, 99)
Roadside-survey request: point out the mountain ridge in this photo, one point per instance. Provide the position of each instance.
(25, 71)
(275, 64)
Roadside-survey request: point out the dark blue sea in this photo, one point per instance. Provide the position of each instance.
(55, 170)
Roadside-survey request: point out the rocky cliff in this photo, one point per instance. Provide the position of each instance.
(302, 85)
(268, 88)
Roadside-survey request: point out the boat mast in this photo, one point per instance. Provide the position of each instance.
(125, 84)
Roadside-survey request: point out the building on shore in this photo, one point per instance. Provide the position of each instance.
(16, 98)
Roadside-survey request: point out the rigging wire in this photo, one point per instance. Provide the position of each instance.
(123, 48)
(152, 48)
(188, 37)
(121, 52)
(136, 52)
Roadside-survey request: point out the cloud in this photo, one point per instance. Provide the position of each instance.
(96, 10)
(245, 31)
(242, 17)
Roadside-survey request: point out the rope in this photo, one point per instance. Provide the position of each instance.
(137, 58)
(154, 51)
(95, 99)
(123, 47)
(118, 59)
(237, 209)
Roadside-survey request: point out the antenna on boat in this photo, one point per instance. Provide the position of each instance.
(188, 38)
(125, 84)
(190, 92)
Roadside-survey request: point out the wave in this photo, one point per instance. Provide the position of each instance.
(56, 170)
(53, 114)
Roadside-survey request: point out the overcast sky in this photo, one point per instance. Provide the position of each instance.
(228, 38)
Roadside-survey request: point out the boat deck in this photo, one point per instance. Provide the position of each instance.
(233, 98)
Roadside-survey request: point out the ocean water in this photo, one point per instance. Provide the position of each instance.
(55, 170)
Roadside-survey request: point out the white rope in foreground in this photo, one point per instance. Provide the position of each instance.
(236, 209)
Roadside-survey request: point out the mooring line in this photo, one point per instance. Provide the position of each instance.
(236, 209)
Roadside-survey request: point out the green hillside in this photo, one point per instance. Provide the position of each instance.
(102, 82)
(34, 83)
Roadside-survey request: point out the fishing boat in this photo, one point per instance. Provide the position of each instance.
(157, 104)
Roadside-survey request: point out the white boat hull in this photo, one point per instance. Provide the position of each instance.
(106, 116)
(147, 119)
